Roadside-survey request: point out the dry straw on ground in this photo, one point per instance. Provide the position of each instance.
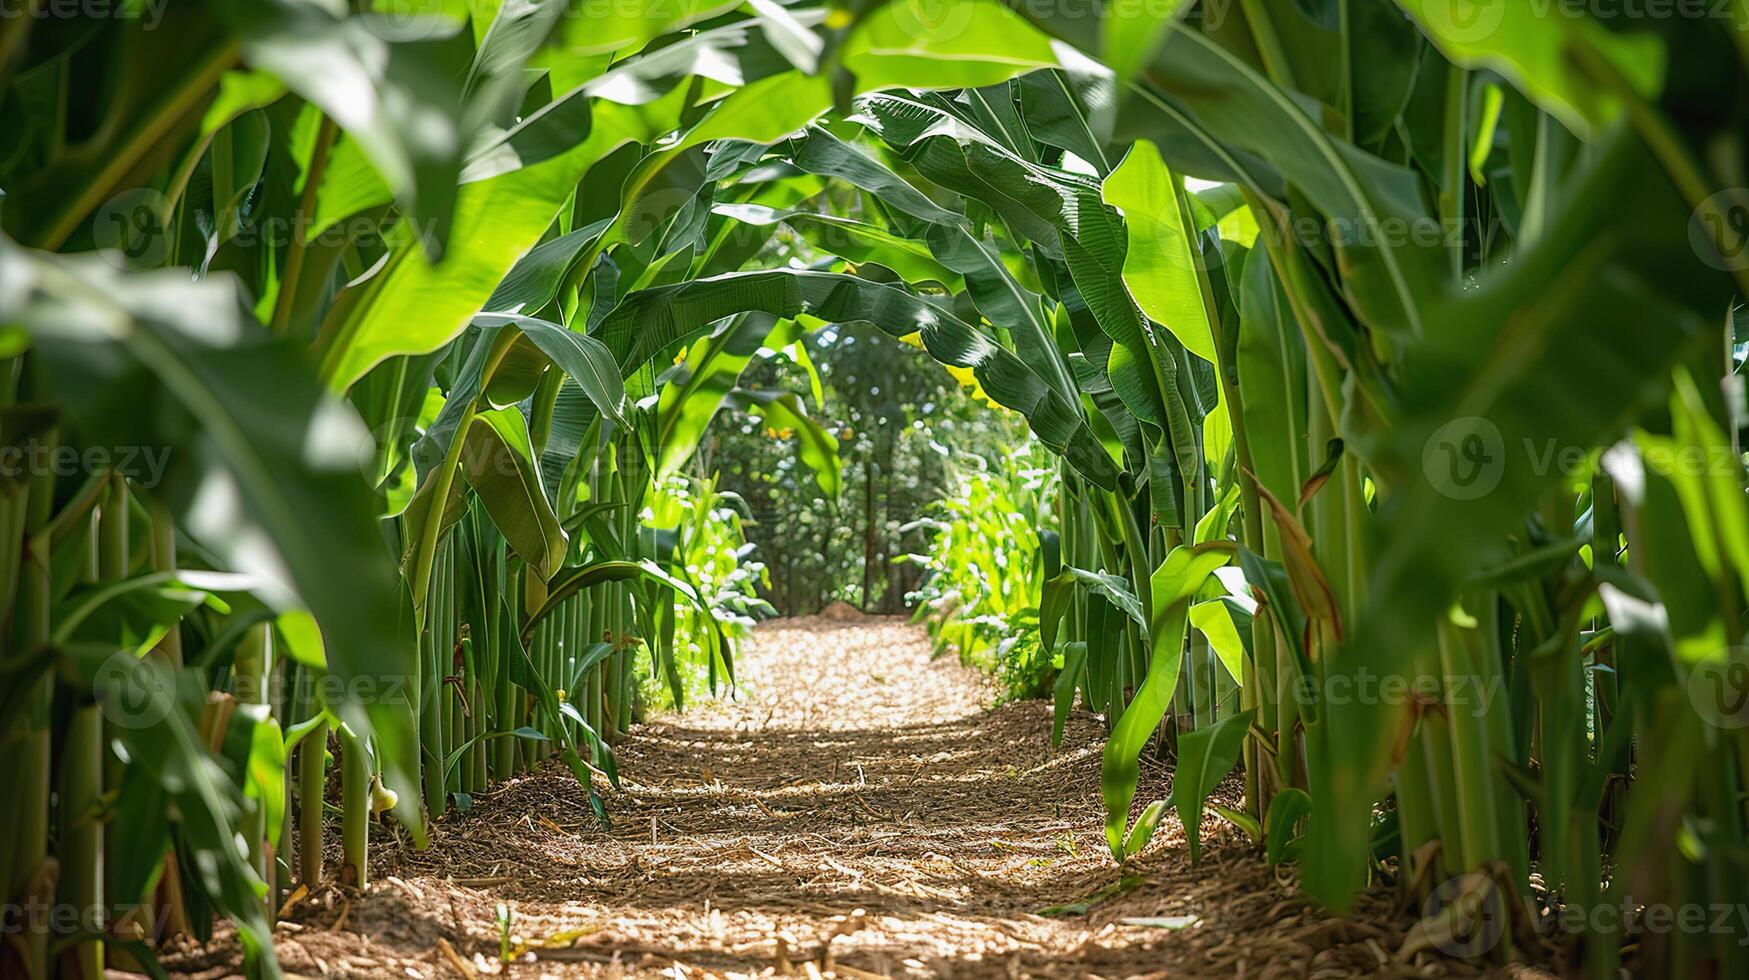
(858, 810)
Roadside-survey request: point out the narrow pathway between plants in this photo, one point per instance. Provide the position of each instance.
(861, 810)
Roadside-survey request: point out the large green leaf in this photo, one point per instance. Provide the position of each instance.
(1174, 585)
(1271, 365)
(412, 306)
(264, 469)
(580, 577)
(1059, 589)
(1159, 267)
(582, 357)
(921, 44)
(1545, 56)
(1227, 624)
(537, 277)
(513, 186)
(1564, 362)
(1058, 106)
(1388, 247)
(713, 367)
(857, 241)
(786, 33)
(991, 285)
(136, 612)
(1131, 32)
(1059, 213)
(499, 465)
(654, 322)
(397, 92)
(518, 32)
(592, 26)
(815, 446)
(1205, 756)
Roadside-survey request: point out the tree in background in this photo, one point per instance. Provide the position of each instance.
(899, 418)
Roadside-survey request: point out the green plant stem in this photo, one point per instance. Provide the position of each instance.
(429, 533)
(80, 844)
(295, 249)
(1269, 47)
(176, 108)
(312, 786)
(504, 749)
(354, 810)
(251, 671)
(32, 876)
(1470, 762)
(439, 642)
(1455, 179)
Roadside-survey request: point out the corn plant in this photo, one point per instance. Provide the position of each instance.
(985, 568)
(703, 527)
(1377, 342)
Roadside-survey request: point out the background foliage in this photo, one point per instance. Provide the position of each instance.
(905, 429)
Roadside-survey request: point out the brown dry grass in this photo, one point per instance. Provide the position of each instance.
(859, 810)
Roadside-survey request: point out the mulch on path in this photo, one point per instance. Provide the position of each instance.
(858, 811)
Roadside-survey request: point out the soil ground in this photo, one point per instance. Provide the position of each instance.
(859, 810)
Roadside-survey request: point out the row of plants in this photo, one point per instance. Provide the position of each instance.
(993, 565)
(984, 568)
(902, 425)
(726, 570)
(457, 555)
(1329, 309)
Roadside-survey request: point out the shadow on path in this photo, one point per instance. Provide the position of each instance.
(858, 809)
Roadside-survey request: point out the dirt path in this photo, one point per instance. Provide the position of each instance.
(860, 810)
